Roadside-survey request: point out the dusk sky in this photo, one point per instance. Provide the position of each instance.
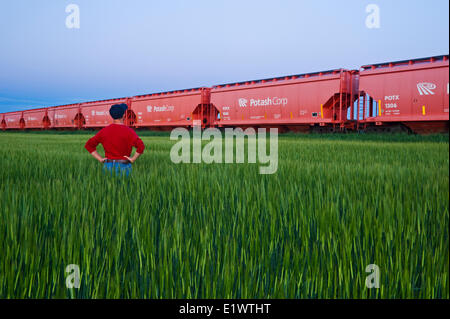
(126, 48)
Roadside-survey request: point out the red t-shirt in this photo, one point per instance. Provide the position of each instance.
(117, 140)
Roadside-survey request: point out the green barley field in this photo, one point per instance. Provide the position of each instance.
(336, 204)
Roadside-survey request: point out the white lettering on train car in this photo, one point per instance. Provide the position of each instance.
(274, 101)
(391, 104)
(98, 113)
(392, 97)
(164, 108)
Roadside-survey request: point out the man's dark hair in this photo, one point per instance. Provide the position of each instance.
(118, 110)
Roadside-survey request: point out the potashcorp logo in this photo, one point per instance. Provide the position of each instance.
(164, 108)
(426, 88)
(234, 147)
(98, 113)
(243, 102)
(263, 102)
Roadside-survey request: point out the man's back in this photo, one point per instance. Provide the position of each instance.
(117, 140)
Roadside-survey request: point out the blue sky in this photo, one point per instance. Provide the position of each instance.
(126, 48)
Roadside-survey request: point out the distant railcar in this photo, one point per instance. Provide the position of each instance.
(96, 114)
(66, 117)
(36, 119)
(184, 108)
(14, 121)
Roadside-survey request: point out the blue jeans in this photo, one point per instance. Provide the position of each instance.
(118, 168)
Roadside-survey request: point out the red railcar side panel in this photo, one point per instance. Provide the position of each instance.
(34, 118)
(167, 109)
(64, 116)
(96, 114)
(306, 100)
(12, 120)
(417, 92)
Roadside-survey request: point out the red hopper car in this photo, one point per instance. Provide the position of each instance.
(66, 116)
(406, 95)
(96, 114)
(315, 101)
(14, 121)
(36, 119)
(163, 111)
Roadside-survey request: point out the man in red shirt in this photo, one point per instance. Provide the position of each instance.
(117, 140)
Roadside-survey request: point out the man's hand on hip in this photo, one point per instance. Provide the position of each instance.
(134, 158)
(97, 156)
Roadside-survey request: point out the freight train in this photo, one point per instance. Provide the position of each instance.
(409, 95)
